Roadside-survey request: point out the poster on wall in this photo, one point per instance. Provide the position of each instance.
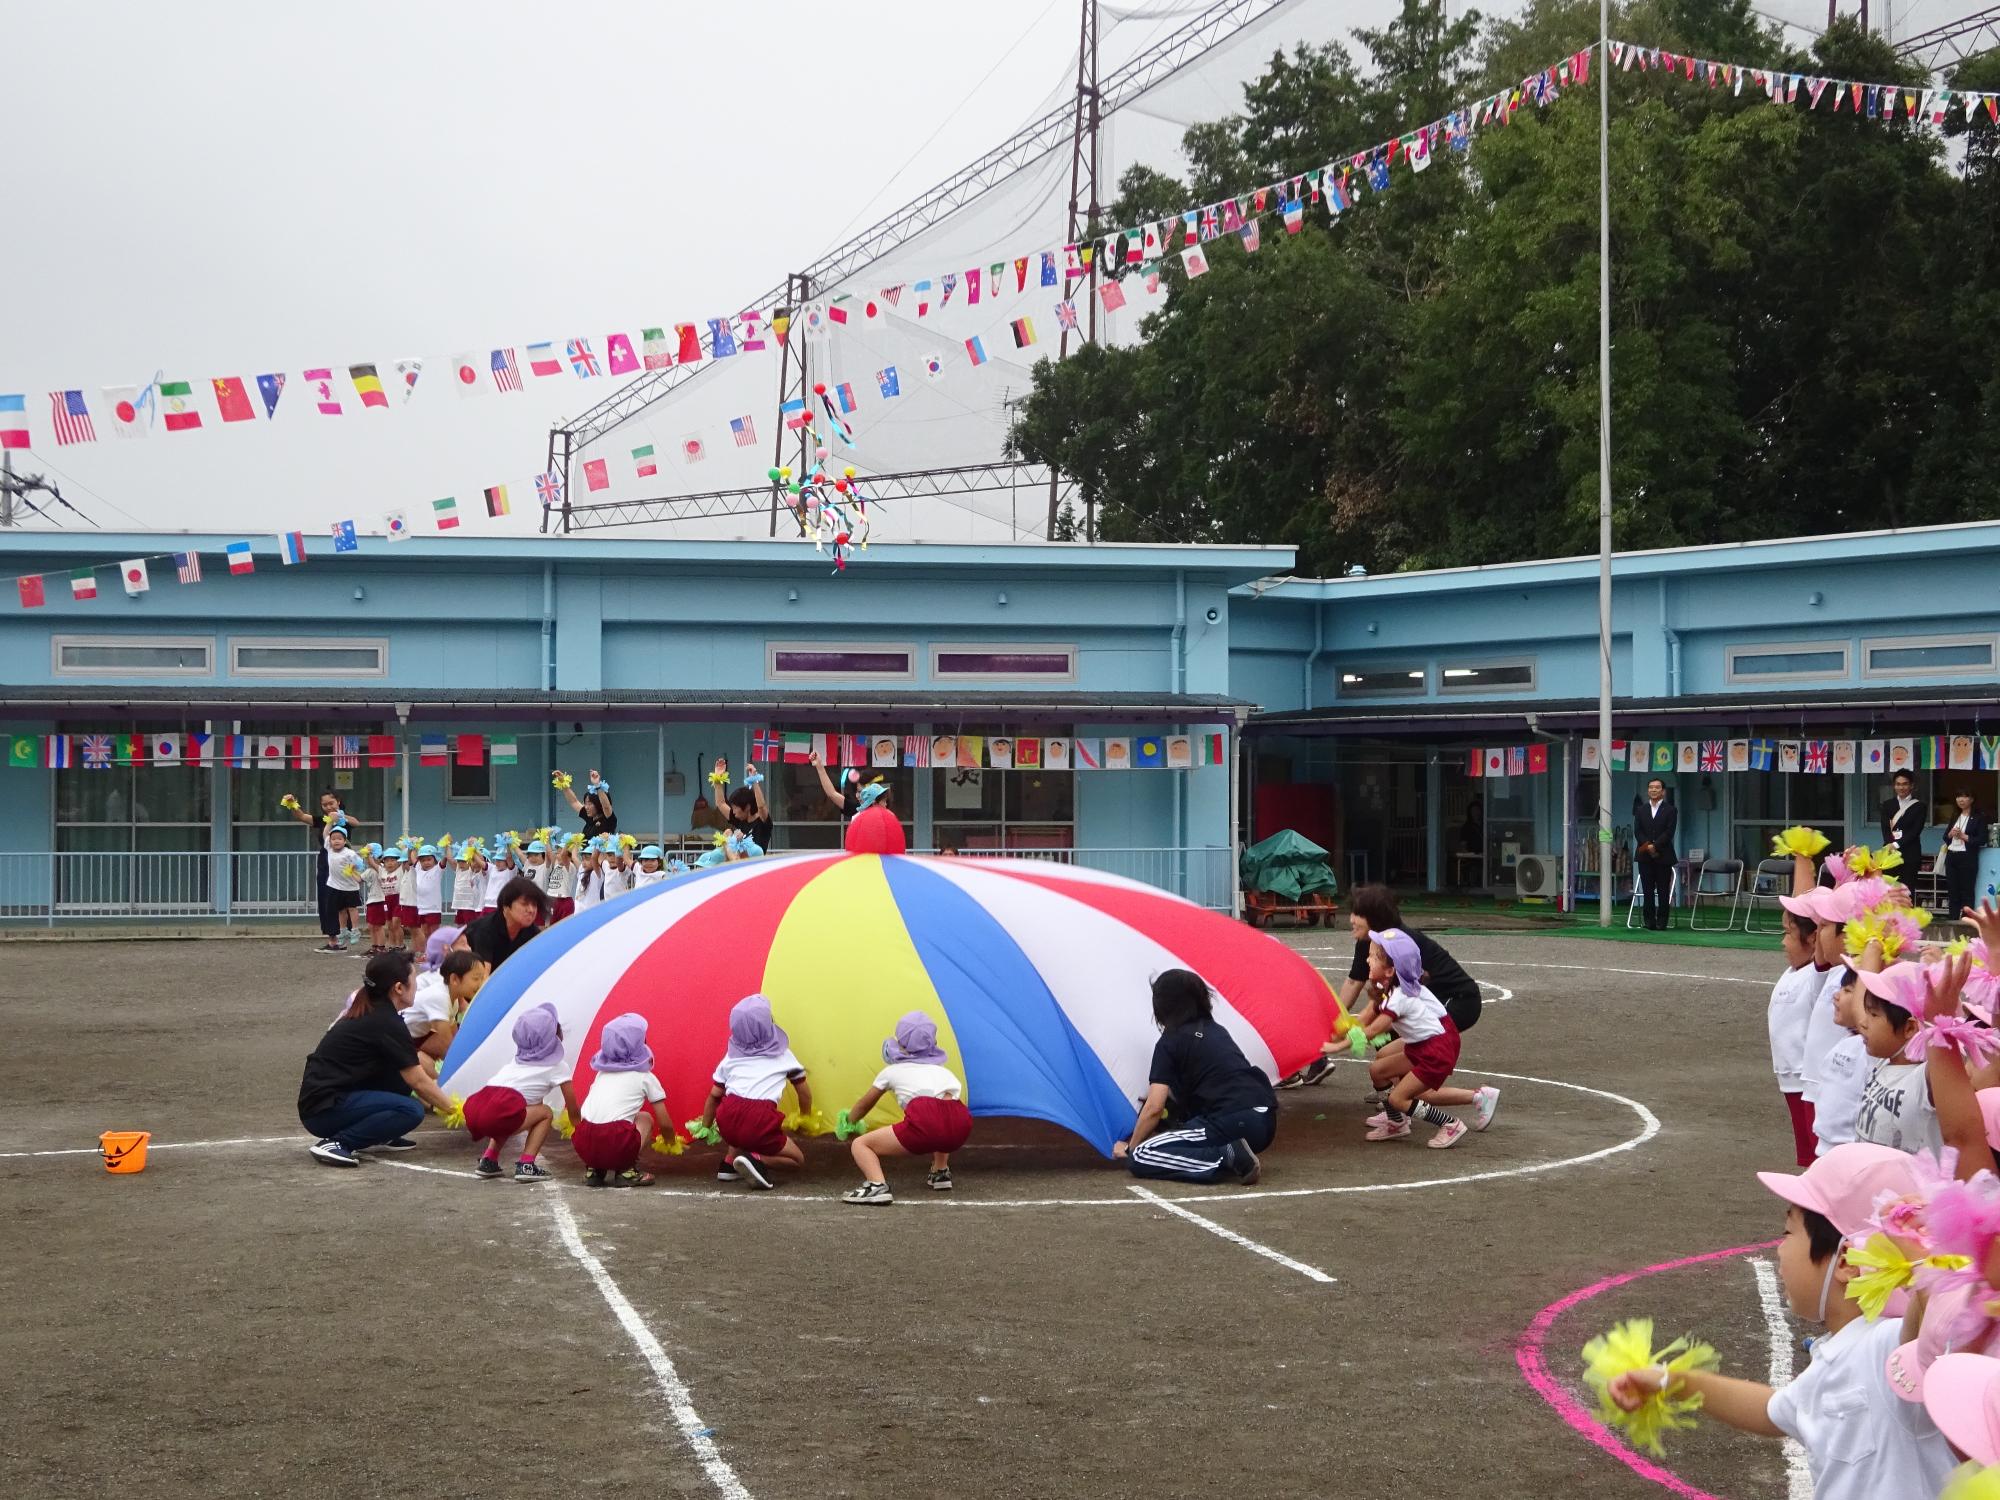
(1118, 754)
(1055, 754)
(1739, 755)
(1180, 752)
(964, 790)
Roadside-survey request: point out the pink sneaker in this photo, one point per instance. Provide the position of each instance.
(1485, 1102)
(1447, 1136)
(1380, 1117)
(1396, 1130)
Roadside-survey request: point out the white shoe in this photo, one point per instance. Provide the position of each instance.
(1485, 1104)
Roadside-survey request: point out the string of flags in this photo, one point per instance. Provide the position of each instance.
(1800, 757)
(32, 590)
(254, 752)
(1874, 101)
(887, 749)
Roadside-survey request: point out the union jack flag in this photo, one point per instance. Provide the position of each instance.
(549, 487)
(506, 373)
(582, 359)
(1711, 755)
(1066, 315)
(97, 750)
(767, 744)
(1816, 757)
(1207, 225)
(347, 752)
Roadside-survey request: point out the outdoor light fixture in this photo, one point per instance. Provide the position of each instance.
(792, 595)
(1815, 598)
(359, 593)
(1002, 599)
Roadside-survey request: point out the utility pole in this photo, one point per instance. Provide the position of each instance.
(1082, 162)
(1604, 467)
(6, 487)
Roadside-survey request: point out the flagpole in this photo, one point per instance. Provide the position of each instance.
(1604, 895)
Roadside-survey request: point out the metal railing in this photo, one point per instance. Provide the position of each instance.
(196, 886)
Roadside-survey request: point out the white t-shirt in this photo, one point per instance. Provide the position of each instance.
(562, 880)
(1791, 1006)
(392, 881)
(1843, 1075)
(1862, 1441)
(1896, 1109)
(642, 878)
(1957, 836)
(371, 885)
(621, 1096)
(918, 1080)
(343, 870)
(539, 873)
(426, 892)
(589, 888)
(758, 1077)
(431, 1002)
(538, 1083)
(496, 877)
(465, 889)
(1822, 1031)
(617, 881)
(1414, 1018)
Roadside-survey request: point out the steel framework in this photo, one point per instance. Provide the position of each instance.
(1955, 41)
(1031, 143)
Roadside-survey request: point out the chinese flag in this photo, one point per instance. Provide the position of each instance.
(690, 343)
(31, 592)
(232, 400)
(381, 751)
(472, 749)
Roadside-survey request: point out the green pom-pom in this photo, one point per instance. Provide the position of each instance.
(845, 1129)
(700, 1132)
(1357, 1043)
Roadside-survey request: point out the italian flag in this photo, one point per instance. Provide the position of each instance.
(83, 583)
(642, 460)
(798, 748)
(504, 753)
(177, 403)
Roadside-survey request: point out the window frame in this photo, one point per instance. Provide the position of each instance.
(378, 643)
(203, 643)
(1418, 688)
(773, 648)
(1783, 648)
(1067, 650)
(1872, 644)
(451, 793)
(1446, 685)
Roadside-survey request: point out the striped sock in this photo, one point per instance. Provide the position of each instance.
(1431, 1114)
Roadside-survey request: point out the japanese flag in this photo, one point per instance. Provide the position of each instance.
(270, 753)
(133, 572)
(1496, 762)
(468, 373)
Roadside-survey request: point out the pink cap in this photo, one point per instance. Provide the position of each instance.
(1989, 1114)
(1962, 1394)
(1910, 1363)
(1823, 903)
(1899, 984)
(1844, 1184)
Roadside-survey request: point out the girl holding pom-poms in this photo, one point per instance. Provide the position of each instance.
(742, 1110)
(624, 1103)
(935, 1120)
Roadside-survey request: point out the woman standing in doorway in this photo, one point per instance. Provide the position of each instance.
(1963, 841)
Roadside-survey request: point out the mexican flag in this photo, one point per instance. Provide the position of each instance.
(83, 583)
(177, 406)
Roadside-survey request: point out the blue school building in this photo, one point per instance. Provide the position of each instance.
(1140, 709)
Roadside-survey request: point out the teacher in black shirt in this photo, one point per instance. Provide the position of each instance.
(594, 807)
(1962, 842)
(358, 1085)
(1903, 820)
(1224, 1110)
(507, 929)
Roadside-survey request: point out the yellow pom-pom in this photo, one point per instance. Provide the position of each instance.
(454, 1118)
(1970, 1482)
(565, 1126)
(670, 1144)
(1629, 1347)
(812, 1124)
(560, 781)
(1886, 1271)
(1801, 840)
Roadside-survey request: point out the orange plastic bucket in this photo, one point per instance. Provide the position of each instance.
(124, 1150)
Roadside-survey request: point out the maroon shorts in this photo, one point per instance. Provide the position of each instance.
(407, 915)
(1435, 1060)
(463, 916)
(493, 1114)
(930, 1125)
(426, 921)
(565, 906)
(612, 1147)
(378, 914)
(1805, 1144)
(754, 1125)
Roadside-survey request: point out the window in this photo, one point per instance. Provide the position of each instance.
(1802, 661)
(807, 661)
(251, 656)
(801, 814)
(1928, 656)
(982, 810)
(1382, 682)
(130, 835)
(470, 783)
(957, 663)
(1489, 677)
(132, 656)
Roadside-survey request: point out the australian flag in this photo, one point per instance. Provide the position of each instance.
(889, 382)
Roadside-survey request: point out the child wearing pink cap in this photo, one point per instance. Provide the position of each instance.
(1785, 1022)
(1861, 1442)
(1833, 1064)
(1896, 1108)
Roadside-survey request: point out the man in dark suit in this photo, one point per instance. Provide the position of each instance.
(1903, 820)
(1654, 820)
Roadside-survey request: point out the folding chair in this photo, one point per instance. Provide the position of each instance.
(1638, 890)
(1771, 879)
(1716, 879)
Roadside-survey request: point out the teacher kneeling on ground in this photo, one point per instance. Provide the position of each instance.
(1224, 1110)
(359, 1081)
(515, 919)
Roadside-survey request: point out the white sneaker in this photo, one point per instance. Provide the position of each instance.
(1485, 1105)
(868, 1193)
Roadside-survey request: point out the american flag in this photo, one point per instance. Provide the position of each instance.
(188, 565)
(506, 374)
(1711, 755)
(347, 752)
(767, 744)
(71, 417)
(96, 752)
(916, 750)
(549, 487)
(745, 431)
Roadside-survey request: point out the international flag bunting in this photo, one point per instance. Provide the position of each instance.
(916, 750)
(30, 589)
(721, 339)
(13, 421)
(506, 372)
(496, 500)
(1475, 763)
(1818, 757)
(798, 748)
(396, 526)
(1538, 760)
(644, 463)
(407, 371)
(344, 538)
(445, 513)
(177, 407)
(187, 566)
(165, 750)
(582, 360)
(1066, 315)
(381, 751)
(1194, 261)
(321, 382)
(240, 560)
(693, 450)
(1112, 295)
(689, 338)
(368, 385)
(1149, 753)
(270, 388)
(887, 382)
(504, 753)
(431, 750)
(96, 750)
(843, 394)
(292, 548)
(346, 750)
(766, 745)
(1024, 332)
(1210, 749)
(55, 754)
(619, 359)
(268, 753)
(596, 476)
(471, 750)
(543, 359)
(25, 750)
(71, 418)
(744, 430)
(1496, 761)
(232, 401)
(1711, 755)
(1762, 754)
(653, 345)
(465, 369)
(305, 752)
(130, 410)
(933, 367)
(793, 412)
(975, 350)
(1517, 760)
(1663, 755)
(83, 583)
(549, 489)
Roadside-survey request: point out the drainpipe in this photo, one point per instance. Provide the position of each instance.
(548, 682)
(1673, 663)
(1180, 685)
(1318, 650)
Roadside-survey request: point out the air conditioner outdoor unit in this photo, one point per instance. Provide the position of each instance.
(1538, 875)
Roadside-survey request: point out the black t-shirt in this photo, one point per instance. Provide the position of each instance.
(1442, 975)
(369, 1051)
(487, 936)
(759, 829)
(1207, 1073)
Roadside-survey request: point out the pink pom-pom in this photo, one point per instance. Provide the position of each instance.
(1836, 866)
(1964, 1219)
(1977, 1044)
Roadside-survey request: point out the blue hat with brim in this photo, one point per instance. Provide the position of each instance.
(538, 847)
(651, 851)
(430, 849)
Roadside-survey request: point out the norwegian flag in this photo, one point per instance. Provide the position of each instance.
(347, 752)
(767, 745)
(1711, 755)
(97, 750)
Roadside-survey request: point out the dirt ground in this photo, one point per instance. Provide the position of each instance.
(239, 1321)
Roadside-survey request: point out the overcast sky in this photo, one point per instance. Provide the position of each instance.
(231, 188)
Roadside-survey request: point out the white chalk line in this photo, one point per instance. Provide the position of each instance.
(680, 1400)
(1798, 1473)
(241, 1140)
(1498, 963)
(1311, 1273)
